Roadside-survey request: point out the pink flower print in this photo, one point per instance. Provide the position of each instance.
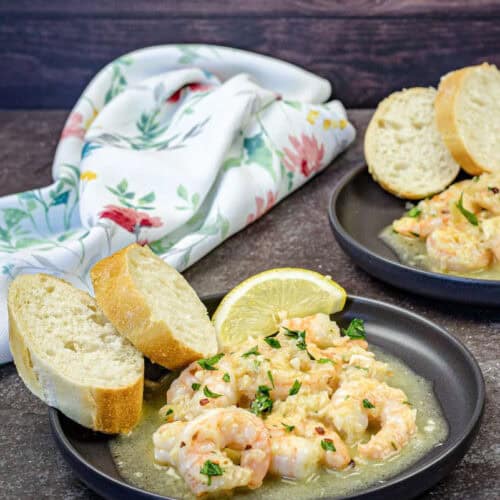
(306, 157)
(73, 127)
(262, 206)
(131, 220)
(193, 87)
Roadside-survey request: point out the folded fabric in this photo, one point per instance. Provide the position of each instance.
(177, 146)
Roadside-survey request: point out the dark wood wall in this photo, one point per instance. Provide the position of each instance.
(49, 49)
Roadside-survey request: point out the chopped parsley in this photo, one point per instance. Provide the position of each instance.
(323, 361)
(169, 412)
(327, 445)
(271, 341)
(195, 386)
(300, 336)
(367, 404)
(209, 363)
(209, 394)
(210, 469)
(413, 212)
(295, 388)
(262, 402)
(226, 377)
(288, 428)
(252, 352)
(270, 377)
(407, 403)
(394, 445)
(468, 215)
(355, 330)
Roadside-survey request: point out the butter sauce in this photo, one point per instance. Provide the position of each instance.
(412, 252)
(133, 453)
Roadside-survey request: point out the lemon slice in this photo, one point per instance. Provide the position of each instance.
(257, 305)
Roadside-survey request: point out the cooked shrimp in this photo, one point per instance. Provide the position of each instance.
(323, 337)
(197, 389)
(371, 400)
(433, 213)
(297, 450)
(204, 464)
(484, 193)
(397, 425)
(491, 232)
(457, 250)
(166, 442)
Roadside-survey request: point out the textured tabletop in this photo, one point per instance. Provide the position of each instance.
(295, 233)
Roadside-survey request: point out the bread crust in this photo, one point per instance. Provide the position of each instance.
(446, 119)
(104, 409)
(369, 156)
(126, 308)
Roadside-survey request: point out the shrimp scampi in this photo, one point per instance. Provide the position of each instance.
(290, 404)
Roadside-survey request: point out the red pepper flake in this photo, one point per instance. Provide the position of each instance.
(319, 430)
(182, 444)
(204, 401)
(248, 447)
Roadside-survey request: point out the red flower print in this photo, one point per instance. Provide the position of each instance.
(307, 156)
(193, 87)
(262, 206)
(131, 220)
(73, 127)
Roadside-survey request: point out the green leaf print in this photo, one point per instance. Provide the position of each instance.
(148, 198)
(122, 186)
(182, 192)
(12, 216)
(259, 153)
(191, 204)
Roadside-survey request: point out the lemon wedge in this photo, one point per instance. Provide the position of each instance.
(257, 305)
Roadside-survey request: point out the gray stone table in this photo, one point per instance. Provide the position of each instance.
(295, 233)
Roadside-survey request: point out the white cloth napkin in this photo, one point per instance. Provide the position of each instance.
(177, 146)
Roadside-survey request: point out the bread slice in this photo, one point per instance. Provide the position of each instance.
(468, 117)
(151, 304)
(71, 357)
(403, 149)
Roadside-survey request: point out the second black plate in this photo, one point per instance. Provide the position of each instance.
(359, 209)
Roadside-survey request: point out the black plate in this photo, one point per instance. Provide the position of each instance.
(359, 209)
(428, 349)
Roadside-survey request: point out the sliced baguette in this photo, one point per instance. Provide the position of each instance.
(468, 117)
(152, 305)
(71, 357)
(403, 149)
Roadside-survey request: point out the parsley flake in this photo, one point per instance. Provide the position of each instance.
(295, 388)
(327, 445)
(355, 330)
(209, 363)
(288, 428)
(468, 215)
(323, 361)
(195, 386)
(367, 404)
(210, 469)
(271, 341)
(226, 377)
(169, 412)
(252, 352)
(209, 394)
(262, 402)
(270, 377)
(413, 212)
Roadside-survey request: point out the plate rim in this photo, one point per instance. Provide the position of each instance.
(340, 231)
(468, 432)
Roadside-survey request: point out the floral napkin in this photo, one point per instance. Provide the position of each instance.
(176, 146)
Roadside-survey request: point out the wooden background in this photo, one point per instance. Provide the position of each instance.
(49, 49)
